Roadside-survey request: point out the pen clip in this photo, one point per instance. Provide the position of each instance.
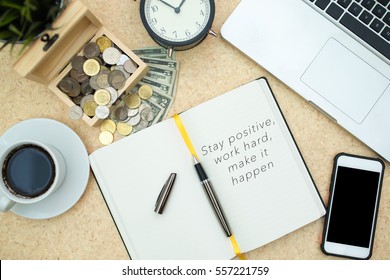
(164, 193)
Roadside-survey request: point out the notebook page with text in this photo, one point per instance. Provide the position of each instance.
(251, 159)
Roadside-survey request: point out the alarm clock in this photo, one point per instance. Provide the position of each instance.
(178, 24)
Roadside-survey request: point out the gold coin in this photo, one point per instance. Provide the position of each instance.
(108, 125)
(91, 67)
(133, 101)
(102, 97)
(106, 137)
(89, 108)
(145, 92)
(103, 42)
(124, 128)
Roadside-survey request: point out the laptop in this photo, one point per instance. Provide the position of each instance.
(335, 54)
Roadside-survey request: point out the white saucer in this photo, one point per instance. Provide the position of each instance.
(75, 155)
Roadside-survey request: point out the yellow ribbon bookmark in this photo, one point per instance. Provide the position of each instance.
(187, 140)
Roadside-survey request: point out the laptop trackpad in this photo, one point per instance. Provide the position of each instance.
(345, 80)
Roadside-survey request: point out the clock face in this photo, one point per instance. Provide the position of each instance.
(177, 22)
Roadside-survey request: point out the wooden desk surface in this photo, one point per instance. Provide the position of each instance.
(87, 231)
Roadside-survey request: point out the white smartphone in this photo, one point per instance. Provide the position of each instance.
(353, 206)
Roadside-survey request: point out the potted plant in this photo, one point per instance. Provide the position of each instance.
(22, 21)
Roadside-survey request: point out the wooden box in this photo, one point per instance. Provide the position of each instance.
(75, 27)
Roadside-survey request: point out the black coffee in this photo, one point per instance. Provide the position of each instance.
(28, 171)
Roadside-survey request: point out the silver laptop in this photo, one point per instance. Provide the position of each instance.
(336, 54)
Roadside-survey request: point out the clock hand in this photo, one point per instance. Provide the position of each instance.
(177, 10)
(169, 5)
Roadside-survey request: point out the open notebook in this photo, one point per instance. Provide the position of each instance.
(251, 159)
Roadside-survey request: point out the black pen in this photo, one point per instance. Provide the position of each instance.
(204, 180)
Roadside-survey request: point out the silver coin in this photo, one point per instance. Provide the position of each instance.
(132, 112)
(120, 113)
(147, 114)
(86, 88)
(117, 79)
(143, 106)
(122, 69)
(78, 62)
(113, 94)
(93, 82)
(91, 50)
(102, 80)
(122, 59)
(88, 97)
(78, 75)
(134, 120)
(75, 112)
(130, 66)
(102, 112)
(141, 125)
(111, 55)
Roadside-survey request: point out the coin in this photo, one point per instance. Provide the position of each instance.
(78, 75)
(86, 88)
(91, 67)
(102, 97)
(124, 128)
(133, 101)
(132, 112)
(102, 112)
(145, 91)
(75, 112)
(111, 55)
(102, 80)
(120, 113)
(120, 68)
(91, 50)
(106, 137)
(77, 62)
(122, 59)
(89, 108)
(69, 86)
(65, 85)
(103, 42)
(147, 114)
(108, 125)
(130, 66)
(117, 79)
(143, 106)
(113, 95)
(134, 120)
(141, 125)
(93, 82)
(88, 97)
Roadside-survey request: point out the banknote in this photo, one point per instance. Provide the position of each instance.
(162, 74)
(159, 62)
(154, 52)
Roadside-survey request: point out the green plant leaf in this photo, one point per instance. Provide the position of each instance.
(8, 17)
(15, 30)
(9, 4)
(4, 35)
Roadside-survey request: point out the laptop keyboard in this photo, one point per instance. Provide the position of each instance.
(367, 19)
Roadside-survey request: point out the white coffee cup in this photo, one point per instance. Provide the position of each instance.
(30, 172)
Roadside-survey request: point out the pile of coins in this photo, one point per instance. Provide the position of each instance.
(134, 113)
(146, 103)
(96, 78)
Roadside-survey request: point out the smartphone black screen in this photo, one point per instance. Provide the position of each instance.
(353, 207)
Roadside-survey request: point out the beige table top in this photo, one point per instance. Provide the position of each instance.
(87, 231)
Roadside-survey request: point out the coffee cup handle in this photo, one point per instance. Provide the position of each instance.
(5, 203)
